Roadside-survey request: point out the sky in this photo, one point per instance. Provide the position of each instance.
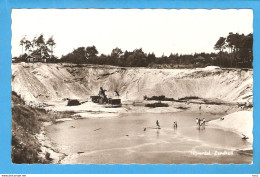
(160, 31)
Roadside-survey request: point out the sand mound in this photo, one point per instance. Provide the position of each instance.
(41, 82)
(240, 122)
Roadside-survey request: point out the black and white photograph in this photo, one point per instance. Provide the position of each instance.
(132, 86)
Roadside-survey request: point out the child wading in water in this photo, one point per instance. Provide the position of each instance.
(175, 125)
(198, 121)
(158, 125)
(202, 124)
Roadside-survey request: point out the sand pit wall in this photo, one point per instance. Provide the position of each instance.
(41, 82)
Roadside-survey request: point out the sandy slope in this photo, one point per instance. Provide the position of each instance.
(52, 82)
(240, 122)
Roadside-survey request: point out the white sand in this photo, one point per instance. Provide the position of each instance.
(47, 147)
(162, 110)
(88, 106)
(240, 122)
(41, 82)
(97, 115)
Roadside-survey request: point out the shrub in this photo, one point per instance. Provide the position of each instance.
(73, 103)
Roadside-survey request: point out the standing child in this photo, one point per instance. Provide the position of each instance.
(175, 125)
(203, 122)
(157, 123)
(197, 121)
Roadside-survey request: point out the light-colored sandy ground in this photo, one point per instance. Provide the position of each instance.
(48, 147)
(41, 82)
(240, 122)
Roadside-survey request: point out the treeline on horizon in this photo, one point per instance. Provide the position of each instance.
(235, 50)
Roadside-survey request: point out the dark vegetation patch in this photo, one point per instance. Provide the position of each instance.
(154, 105)
(158, 98)
(250, 105)
(213, 102)
(240, 45)
(188, 98)
(26, 123)
(181, 107)
(73, 102)
(75, 65)
(245, 152)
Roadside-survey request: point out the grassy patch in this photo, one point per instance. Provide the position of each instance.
(26, 123)
(188, 98)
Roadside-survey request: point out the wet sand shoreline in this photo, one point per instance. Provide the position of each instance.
(122, 113)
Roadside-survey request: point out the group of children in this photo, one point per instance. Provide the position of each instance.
(175, 125)
(200, 122)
